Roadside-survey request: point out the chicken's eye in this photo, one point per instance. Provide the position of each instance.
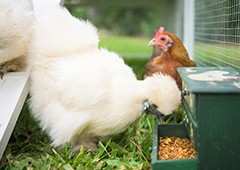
(162, 39)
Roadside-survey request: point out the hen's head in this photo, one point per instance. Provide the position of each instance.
(168, 41)
(162, 40)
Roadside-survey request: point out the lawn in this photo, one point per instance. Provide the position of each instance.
(127, 47)
(29, 147)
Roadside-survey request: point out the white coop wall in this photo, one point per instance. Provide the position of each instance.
(189, 26)
(217, 33)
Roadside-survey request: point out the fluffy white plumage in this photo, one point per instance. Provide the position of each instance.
(57, 31)
(16, 17)
(82, 94)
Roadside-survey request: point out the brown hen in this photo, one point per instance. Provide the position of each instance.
(173, 55)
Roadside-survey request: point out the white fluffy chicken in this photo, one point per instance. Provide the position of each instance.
(82, 94)
(16, 17)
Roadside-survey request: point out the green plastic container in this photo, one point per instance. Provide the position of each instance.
(211, 100)
(168, 130)
(212, 106)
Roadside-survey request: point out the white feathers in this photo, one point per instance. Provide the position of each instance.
(94, 95)
(82, 94)
(169, 96)
(16, 17)
(83, 91)
(58, 33)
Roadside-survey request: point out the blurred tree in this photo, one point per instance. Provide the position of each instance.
(130, 17)
(120, 20)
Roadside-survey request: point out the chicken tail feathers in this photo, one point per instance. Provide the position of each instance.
(65, 34)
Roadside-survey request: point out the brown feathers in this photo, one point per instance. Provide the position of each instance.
(173, 55)
(179, 52)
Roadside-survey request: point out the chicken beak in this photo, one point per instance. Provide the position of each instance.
(150, 109)
(159, 115)
(151, 43)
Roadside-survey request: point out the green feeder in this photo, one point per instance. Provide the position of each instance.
(211, 101)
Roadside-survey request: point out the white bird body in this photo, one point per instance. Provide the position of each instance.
(82, 94)
(86, 90)
(16, 17)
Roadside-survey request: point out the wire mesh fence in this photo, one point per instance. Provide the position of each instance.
(217, 33)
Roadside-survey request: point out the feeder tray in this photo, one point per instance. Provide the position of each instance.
(168, 130)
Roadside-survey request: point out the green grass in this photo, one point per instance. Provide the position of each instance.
(29, 147)
(127, 46)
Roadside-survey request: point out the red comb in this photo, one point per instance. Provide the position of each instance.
(160, 31)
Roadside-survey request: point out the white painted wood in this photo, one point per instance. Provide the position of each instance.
(14, 88)
(188, 29)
